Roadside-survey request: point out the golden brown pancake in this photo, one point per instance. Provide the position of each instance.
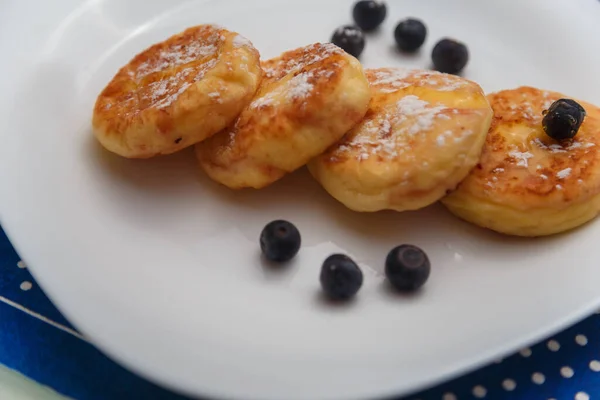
(308, 99)
(526, 183)
(421, 136)
(177, 92)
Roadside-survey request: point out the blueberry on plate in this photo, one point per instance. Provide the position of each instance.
(410, 34)
(563, 119)
(350, 38)
(450, 56)
(280, 241)
(369, 14)
(340, 277)
(407, 267)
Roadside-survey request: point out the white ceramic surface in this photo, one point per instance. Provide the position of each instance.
(161, 268)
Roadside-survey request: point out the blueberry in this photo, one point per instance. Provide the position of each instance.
(410, 34)
(369, 14)
(563, 119)
(407, 267)
(350, 38)
(280, 241)
(340, 277)
(450, 56)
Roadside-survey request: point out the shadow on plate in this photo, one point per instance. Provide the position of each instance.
(322, 299)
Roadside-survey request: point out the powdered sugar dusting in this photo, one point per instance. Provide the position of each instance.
(520, 157)
(441, 139)
(559, 148)
(241, 41)
(269, 71)
(553, 148)
(263, 101)
(163, 93)
(386, 128)
(577, 145)
(299, 86)
(547, 104)
(232, 137)
(394, 77)
(176, 55)
(529, 113)
(449, 83)
(466, 133)
(565, 173)
(412, 106)
(444, 136)
(216, 96)
(309, 55)
(216, 27)
(385, 134)
(377, 140)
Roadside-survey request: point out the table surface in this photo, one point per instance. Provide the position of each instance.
(44, 354)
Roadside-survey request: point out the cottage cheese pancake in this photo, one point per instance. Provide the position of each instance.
(177, 92)
(421, 136)
(527, 183)
(308, 99)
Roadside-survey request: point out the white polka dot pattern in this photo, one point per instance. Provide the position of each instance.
(553, 345)
(567, 372)
(479, 392)
(563, 367)
(538, 378)
(581, 340)
(526, 352)
(509, 385)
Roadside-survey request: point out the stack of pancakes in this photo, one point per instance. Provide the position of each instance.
(376, 139)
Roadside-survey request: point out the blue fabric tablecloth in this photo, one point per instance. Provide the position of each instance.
(36, 340)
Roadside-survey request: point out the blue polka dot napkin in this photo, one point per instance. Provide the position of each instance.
(37, 341)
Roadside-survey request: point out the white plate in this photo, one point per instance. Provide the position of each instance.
(160, 267)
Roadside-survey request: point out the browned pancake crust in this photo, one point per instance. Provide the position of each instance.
(422, 134)
(300, 96)
(152, 103)
(534, 170)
